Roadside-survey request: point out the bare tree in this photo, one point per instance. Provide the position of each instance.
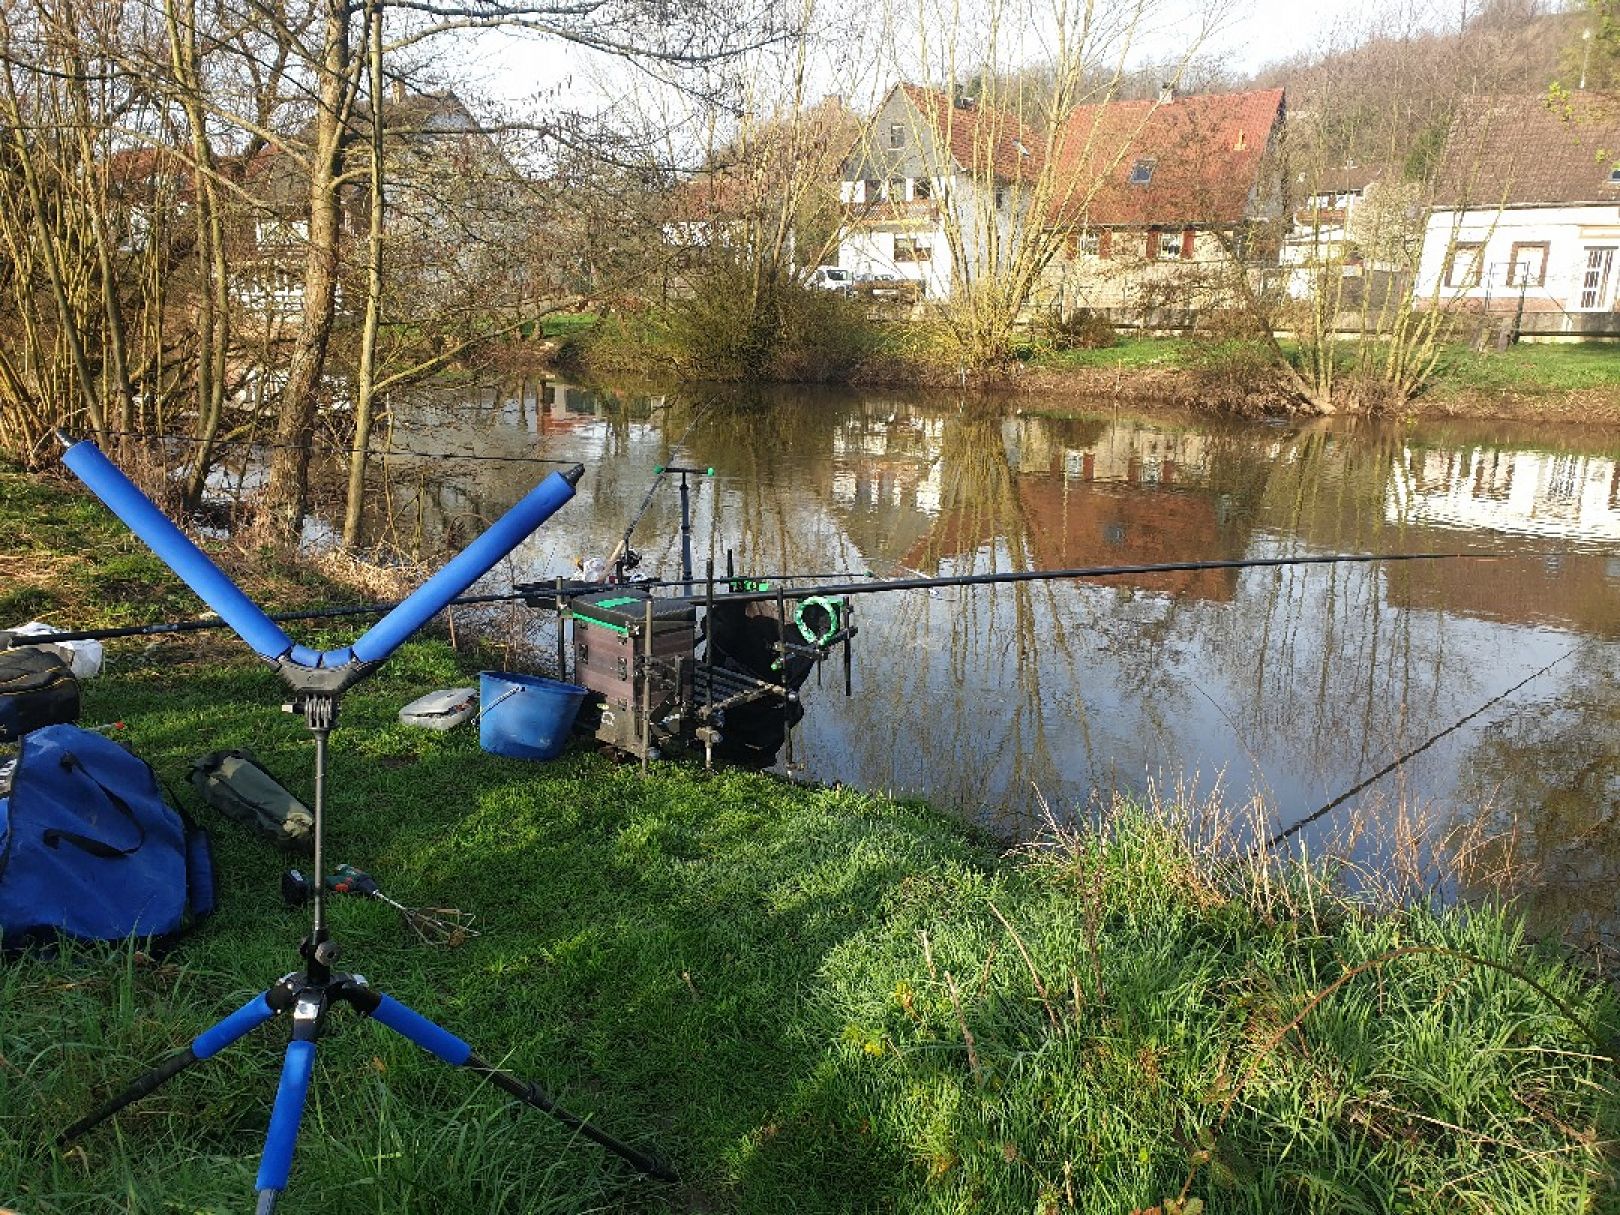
(1015, 172)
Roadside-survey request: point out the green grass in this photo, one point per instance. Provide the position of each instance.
(811, 1000)
(567, 324)
(1534, 368)
(1128, 354)
(1528, 368)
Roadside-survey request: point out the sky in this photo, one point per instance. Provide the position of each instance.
(510, 69)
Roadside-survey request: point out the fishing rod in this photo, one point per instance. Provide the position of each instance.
(1097, 571)
(870, 586)
(163, 628)
(1401, 759)
(621, 557)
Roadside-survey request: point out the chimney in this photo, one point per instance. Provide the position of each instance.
(1167, 93)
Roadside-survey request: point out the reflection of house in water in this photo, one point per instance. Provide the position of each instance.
(1512, 494)
(565, 407)
(1092, 451)
(886, 479)
(1531, 492)
(1104, 495)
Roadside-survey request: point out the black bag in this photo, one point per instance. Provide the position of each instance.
(37, 688)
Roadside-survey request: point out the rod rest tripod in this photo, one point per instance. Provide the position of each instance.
(317, 681)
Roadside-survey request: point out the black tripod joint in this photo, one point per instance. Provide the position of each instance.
(318, 709)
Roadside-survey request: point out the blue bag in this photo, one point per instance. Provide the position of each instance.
(90, 849)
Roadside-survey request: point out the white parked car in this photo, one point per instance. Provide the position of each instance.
(833, 278)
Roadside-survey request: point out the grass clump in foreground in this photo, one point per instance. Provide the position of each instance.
(813, 1000)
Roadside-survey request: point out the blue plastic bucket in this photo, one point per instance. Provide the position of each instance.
(526, 716)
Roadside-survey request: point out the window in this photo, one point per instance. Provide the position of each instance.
(897, 135)
(1001, 200)
(911, 249)
(1614, 176)
(1090, 244)
(897, 189)
(1170, 246)
(922, 187)
(1528, 265)
(1595, 277)
(1462, 267)
(871, 191)
(1141, 173)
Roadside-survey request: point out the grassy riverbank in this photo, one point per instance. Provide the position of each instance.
(1576, 383)
(812, 1000)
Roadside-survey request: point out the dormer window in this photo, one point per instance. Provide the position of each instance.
(1241, 142)
(1141, 173)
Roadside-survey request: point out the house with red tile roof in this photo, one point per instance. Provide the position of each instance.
(1158, 197)
(1142, 189)
(926, 151)
(1526, 215)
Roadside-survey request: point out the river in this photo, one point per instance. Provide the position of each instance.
(1276, 689)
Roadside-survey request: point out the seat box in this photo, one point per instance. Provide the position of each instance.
(608, 648)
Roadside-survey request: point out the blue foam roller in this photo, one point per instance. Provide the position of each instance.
(222, 1033)
(176, 550)
(465, 568)
(411, 1024)
(282, 1137)
(303, 656)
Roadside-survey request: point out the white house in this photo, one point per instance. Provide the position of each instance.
(1526, 222)
(1320, 236)
(928, 157)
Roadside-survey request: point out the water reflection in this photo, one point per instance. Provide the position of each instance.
(1289, 685)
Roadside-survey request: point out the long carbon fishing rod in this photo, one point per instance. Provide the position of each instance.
(203, 624)
(1099, 571)
(870, 586)
(1395, 763)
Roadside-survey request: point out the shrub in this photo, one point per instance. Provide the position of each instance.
(721, 329)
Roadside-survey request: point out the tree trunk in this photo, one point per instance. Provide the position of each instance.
(287, 492)
(364, 403)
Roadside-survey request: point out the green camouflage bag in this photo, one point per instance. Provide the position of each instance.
(236, 784)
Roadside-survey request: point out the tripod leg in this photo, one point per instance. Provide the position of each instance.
(204, 1046)
(409, 1023)
(282, 1137)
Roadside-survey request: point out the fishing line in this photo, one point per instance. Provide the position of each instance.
(1314, 815)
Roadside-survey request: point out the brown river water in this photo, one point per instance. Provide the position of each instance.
(1276, 689)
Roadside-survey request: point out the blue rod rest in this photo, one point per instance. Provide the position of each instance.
(176, 550)
(466, 567)
(265, 637)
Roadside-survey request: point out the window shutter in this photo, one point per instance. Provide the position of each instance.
(1187, 245)
(1105, 240)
